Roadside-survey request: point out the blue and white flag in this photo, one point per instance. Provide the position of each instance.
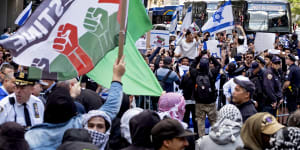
(173, 25)
(221, 20)
(24, 15)
(187, 21)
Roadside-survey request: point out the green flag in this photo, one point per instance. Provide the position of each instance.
(138, 78)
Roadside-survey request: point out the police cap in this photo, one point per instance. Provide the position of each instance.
(292, 57)
(276, 60)
(245, 83)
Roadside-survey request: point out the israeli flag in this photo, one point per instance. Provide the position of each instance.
(173, 25)
(24, 15)
(187, 21)
(221, 20)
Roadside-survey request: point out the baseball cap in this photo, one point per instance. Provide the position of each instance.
(168, 129)
(245, 83)
(270, 125)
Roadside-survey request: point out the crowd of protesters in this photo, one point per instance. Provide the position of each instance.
(239, 93)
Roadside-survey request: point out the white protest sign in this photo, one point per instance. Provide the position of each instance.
(274, 51)
(264, 41)
(141, 43)
(212, 46)
(159, 38)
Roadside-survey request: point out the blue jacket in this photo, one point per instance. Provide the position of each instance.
(169, 83)
(2, 93)
(48, 136)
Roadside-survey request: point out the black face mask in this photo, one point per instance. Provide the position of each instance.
(148, 55)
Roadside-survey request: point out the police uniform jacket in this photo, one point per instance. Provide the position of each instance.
(272, 86)
(15, 112)
(293, 75)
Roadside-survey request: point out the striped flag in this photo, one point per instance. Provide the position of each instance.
(24, 15)
(221, 20)
(173, 26)
(187, 21)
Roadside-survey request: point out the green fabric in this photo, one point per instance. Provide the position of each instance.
(138, 78)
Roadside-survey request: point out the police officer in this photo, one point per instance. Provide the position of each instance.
(256, 76)
(272, 87)
(21, 106)
(292, 83)
(242, 96)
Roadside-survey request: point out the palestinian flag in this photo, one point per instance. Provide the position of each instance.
(160, 39)
(64, 39)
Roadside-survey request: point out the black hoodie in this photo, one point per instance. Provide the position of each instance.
(77, 139)
(140, 130)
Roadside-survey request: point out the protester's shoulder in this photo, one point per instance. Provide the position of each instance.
(249, 108)
(35, 99)
(174, 74)
(268, 73)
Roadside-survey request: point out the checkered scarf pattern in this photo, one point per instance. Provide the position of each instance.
(99, 139)
(286, 139)
(230, 112)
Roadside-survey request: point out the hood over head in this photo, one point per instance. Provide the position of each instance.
(228, 125)
(172, 105)
(256, 125)
(99, 139)
(12, 136)
(73, 135)
(60, 106)
(204, 65)
(125, 130)
(140, 128)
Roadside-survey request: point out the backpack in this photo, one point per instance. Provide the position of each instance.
(162, 82)
(203, 88)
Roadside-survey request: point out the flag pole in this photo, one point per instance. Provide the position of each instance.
(122, 28)
(148, 35)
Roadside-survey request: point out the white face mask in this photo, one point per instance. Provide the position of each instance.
(99, 139)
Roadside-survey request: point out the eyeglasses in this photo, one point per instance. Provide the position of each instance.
(250, 57)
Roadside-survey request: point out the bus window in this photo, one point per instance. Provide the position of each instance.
(211, 9)
(267, 17)
(279, 20)
(258, 21)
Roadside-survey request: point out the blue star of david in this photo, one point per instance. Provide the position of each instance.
(217, 16)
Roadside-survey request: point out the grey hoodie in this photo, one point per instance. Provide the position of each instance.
(225, 134)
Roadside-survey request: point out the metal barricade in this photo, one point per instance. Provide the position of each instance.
(282, 113)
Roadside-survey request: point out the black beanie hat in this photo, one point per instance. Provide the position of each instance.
(60, 106)
(12, 137)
